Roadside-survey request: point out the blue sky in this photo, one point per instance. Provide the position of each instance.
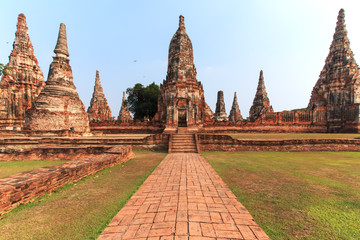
(232, 42)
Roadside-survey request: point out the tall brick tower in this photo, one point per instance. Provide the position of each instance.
(338, 87)
(181, 102)
(23, 83)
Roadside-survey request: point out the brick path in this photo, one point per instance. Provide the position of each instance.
(184, 198)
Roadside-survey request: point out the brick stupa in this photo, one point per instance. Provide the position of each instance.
(220, 112)
(99, 109)
(338, 87)
(23, 81)
(58, 106)
(181, 101)
(124, 113)
(261, 103)
(235, 114)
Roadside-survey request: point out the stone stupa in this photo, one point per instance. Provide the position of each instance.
(99, 109)
(58, 106)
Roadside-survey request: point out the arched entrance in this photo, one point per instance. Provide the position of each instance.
(182, 117)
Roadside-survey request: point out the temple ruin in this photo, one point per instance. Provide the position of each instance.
(220, 112)
(124, 114)
(235, 114)
(261, 104)
(181, 102)
(338, 87)
(58, 107)
(99, 109)
(334, 105)
(23, 82)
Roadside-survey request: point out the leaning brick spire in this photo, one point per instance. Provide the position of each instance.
(124, 114)
(339, 80)
(261, 103)
(99, 109)
(235, 114)
(61, 49)
(23, 83)
(58, 106)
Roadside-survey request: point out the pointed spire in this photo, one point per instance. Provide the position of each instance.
(261, 103)
(339, 78)
(235, 114)
(124, 98)
(124, 114)
(61, 49)
(21, 24)
(97, 78)
(261, 84)
(181, 22)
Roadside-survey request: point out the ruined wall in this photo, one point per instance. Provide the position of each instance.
(209, 142)
(23, 187)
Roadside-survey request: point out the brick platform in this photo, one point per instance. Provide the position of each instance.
(184, 198)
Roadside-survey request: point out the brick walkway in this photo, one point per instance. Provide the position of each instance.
(184, 198)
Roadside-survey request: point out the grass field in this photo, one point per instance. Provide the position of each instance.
(13, 167)
(81, 210)
(296, 195)
(295, 135)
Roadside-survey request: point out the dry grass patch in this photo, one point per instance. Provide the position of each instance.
(13, 167)
(81, 210)
(296, 195)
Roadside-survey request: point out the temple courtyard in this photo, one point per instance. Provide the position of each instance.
(291, 195)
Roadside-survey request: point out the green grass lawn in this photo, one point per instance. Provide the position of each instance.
(13, 167)
(295, 135)
(296, 195)
(81, 210)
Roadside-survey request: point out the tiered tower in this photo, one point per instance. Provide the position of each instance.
(261, 103)
(58, 106)
(235, 114)
(338, 87)
(23, 82)
(181, 101)
(124, 114)
(99, 109)
(220, 113)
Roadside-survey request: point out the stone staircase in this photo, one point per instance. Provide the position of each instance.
(183, 143)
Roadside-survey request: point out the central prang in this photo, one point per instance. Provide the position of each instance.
(181, 102)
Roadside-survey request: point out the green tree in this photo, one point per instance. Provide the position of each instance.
(4, 69)
(142, 101)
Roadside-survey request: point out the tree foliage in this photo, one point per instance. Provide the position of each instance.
(142, 101)
(4, 70)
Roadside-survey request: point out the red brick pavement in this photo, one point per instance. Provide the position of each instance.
(184, 198)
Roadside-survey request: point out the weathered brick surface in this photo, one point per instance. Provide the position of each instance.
(99, 109)
(23, 83)
(235, 114)
(220, 112)
(338, 87)
(124, 114)
(23, 187)
(58, 106)
(209, 142)
(261, 103)
(182, 96)
(184, 198)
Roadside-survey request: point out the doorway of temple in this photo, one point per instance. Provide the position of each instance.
(182, 118)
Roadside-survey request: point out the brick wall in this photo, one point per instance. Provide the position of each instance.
(209, 142)
(23, 187)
